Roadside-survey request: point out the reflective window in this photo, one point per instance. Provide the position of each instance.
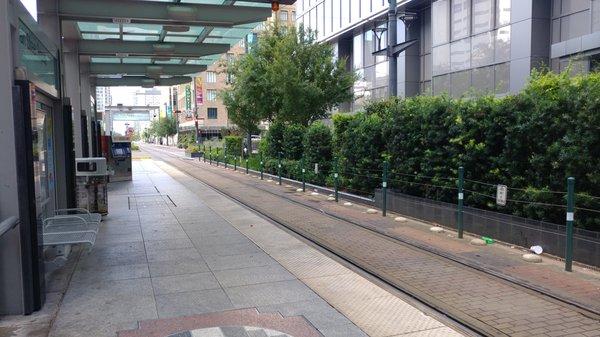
(595, 15)
(357, 52)
(440, 22)
(441, 59)
(336, 14)
(365, 8)
(426, 68)
(482, 79)
(575, 25)
(211, 95)
(483, 18)
(368, 48)
(555, 30)
(211, 77)
(572, 6)
(460, 55)
(319, 22)
(502, 77)
(482, 50)
(354, 10)
(426, 32)
(369, 76)
(328, 17)
(345, 7)
(460, 18)
(502, 12)
(381, 74)
(313, 19)
(441, 84)
(460, 83)
(502, 47)
(283, 15)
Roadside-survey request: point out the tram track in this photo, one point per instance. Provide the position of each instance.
(463, 316)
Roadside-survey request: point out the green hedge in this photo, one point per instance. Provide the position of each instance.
(531, 142)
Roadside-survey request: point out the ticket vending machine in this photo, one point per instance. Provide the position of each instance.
(120, 158)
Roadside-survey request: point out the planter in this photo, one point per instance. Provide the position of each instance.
(193, 154)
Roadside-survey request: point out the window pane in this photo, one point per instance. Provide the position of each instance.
(426, 37)
(482, 16)
(483, 79)
(357, 50)
(572, 6)
(355, 10)
(328, 18)
(368, 48)
(440, 21)
(482, 52)
(460, 83)
(336, 15)
(502, 12)
(381, 74)
(441, 59)
(502, 48)
(574, 25)
(460, 18)
(460, 55)
(345, 6)
(426, 68)
(595, 15)
(502, 78)
(365, 8)
(283, 15)
(441, 84)
(212, 113)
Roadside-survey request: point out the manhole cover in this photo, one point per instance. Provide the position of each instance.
(231, 331)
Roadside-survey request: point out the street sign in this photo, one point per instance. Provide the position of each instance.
(501, 195)
(188, 98)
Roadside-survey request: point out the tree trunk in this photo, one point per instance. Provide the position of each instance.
(248, 144)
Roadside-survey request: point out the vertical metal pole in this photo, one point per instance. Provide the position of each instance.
(336, 182)
(225, 159)
(392, 41)
(217, 157)
(570, 219)
(279, 167)
(384, 189)
(261, 166)
(461, 196)
(235, 163)
(303, 176)
(204, 153)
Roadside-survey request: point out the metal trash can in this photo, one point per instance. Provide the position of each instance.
(92, 184)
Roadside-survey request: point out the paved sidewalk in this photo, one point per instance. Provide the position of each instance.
(174, 256)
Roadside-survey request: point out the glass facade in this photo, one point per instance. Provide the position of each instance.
(471, 42)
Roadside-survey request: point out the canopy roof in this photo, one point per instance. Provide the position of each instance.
(156, 39)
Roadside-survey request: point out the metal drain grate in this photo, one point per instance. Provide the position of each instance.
(149, 200)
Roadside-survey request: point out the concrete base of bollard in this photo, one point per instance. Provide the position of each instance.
(371, 211)
(347, 204)
(477, 242)
(533, 258)
(436, 229)
(400, 219)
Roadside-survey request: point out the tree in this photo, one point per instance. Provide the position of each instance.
(164, 127)
(287, 77)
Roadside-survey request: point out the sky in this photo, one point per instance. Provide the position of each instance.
(31, 6)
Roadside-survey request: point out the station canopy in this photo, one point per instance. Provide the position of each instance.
(156, 42)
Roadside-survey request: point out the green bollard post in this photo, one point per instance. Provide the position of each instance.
(234, 163)
(336, 182)
(210, 155)
(246, 166)
(261, 167)
(217, 157)
(570, 219)
(384, 189)
(204, 153)
(279, 167)
(461, 196)
(303, 176)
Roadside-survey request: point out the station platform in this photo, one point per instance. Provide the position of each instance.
(175, 257)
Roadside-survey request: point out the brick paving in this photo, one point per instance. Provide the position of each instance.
(493, 306)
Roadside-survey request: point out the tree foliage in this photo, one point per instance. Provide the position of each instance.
(287, 77)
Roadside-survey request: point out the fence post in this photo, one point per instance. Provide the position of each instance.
(246, 165)
(204, 153)
(303, 175)
(335, 181)
(461, 180)
(384, 189)
(217, 157)
(261, 166)
(210, 155)
(279, 167)
(570, 219)
(225, 160)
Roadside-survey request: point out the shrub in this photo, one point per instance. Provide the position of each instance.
(233, 145)
(193, 148)
(293, 136)
(274, 140)
(317, 150)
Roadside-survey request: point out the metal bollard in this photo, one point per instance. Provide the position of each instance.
(461, 196)
(570, 219)
(384, 189)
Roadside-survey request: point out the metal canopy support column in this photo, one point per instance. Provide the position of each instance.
(392, 58)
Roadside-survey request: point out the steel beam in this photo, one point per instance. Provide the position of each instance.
(152, 49)
(136, 11)
(140, 81)
(145, 69)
